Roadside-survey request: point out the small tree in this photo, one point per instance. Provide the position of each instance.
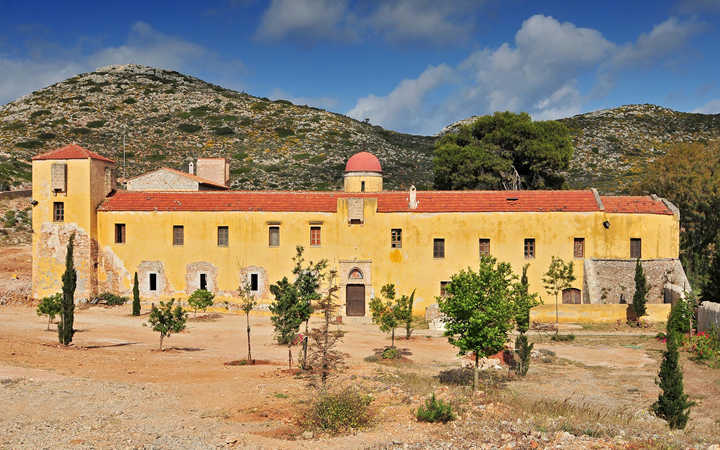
(50, 306)
(672, 404)
(524, 302)
(167, 319)
(406, 312)
(287, 313)
(323, 353)
(247, 303)
(558, 278)
(386, 312)
(201, 299)
(478, 309)
(136, 297)
(641, 290)
(67, 307)
(307, 282)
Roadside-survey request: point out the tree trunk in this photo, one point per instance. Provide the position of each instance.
(393, 338)
(49, 321)
(305, 343)
(290, 355)
(557, 320)
(475, 373)
(247, 316)
(161, 339)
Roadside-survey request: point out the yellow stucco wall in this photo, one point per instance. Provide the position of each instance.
(610, 313)
(149, 238)
(353, 182)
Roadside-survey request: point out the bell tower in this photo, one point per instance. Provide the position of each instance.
(363, 173)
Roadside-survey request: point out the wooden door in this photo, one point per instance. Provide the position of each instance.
(355, 300)
(571, 296)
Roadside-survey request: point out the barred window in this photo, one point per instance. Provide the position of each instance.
(396, 238)
(58, 211)
(438, 248)
(636, 248)
(484, 245)
(223, 237)
(119, 233)
(178, 235)
(315, 236)
(529, 248)
(579, 248)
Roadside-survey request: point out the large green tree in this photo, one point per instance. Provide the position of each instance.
(478, 309)
(504, 150)
(689, 176)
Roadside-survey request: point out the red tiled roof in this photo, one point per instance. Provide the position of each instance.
(72, 151)
(363, 162)
(187, 175)
(428, 201)
(644, 204)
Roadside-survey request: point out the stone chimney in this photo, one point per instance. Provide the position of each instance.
(413, 203)
(216, 170)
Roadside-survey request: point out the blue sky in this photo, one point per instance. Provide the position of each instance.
(408, 65)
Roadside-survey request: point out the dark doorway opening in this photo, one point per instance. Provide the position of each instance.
(203, 282)
(153, 282)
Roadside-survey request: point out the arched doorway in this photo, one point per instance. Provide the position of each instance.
(355, 293)
(571, 296)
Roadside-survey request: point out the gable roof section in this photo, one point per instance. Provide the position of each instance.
(641, 204)
(186, 175)
(388, 202)
(71, 151)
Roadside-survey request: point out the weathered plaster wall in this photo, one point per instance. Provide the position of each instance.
(595, 313)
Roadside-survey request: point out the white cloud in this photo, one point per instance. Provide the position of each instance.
(711, 107)
(318, 102)
(305, 19)
(406, 20)
(537, 73)
(698, 6)
(144, 45)
(404, 106)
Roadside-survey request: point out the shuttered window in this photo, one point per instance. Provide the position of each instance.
(438, 248)
(274, 236)
(579, 248)
(635, 248)
(484, 245)
(529, 248)
(223, 236)
(58, 175)
(178, 235)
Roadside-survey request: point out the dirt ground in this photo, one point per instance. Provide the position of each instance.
(113, 389)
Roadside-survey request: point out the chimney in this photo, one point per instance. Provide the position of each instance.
(216, 170)
(413, 203)
(191, 168)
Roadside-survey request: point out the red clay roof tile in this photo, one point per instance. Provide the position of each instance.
(71, 151)
(635, 204)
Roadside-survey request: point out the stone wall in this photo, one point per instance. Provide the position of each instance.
(606, 280)
(162, 180)
(708, 316)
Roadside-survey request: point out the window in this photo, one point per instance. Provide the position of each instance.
(636, 248)
(58, 211)
(315, 236)
(254, 282)
(119, 233)
(362, 186)
(152, 282)
(438, 248)
(223, 236)
(443, 288)
(58, 177)
(529, 248)
(484, 245)
(203, 281)
(274, 236)
(396, 238)
(579, 248)
(178, 235)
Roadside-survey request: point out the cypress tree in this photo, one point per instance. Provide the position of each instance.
(67, 307)
(672, 404)
(641, 290)
(136, 297)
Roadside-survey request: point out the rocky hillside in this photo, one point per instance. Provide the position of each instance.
(170, 118)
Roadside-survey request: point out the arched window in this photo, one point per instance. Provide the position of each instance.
(355, 275)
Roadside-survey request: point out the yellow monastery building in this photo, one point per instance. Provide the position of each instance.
(184, 231)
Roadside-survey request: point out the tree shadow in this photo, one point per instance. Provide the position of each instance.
(122, 344)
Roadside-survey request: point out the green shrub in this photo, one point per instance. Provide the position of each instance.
(284, 102)
(680, 318)
(284, 132)
(96, 124)
(258, 107)
(38, 113)
(462, 376)
(435, 410)
(189, 127)
(563, 337)
(81, 130)
(201, 299)
(166, 319)
(50, 306)
(46, 136)
(523, 350)
(29, 144)
(223, 131)
(111, 299)
(129, 101)
(10, 220)
(342, 411)
(16, 125)
(391, 353)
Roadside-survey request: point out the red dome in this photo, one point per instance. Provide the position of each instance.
(363, 162)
